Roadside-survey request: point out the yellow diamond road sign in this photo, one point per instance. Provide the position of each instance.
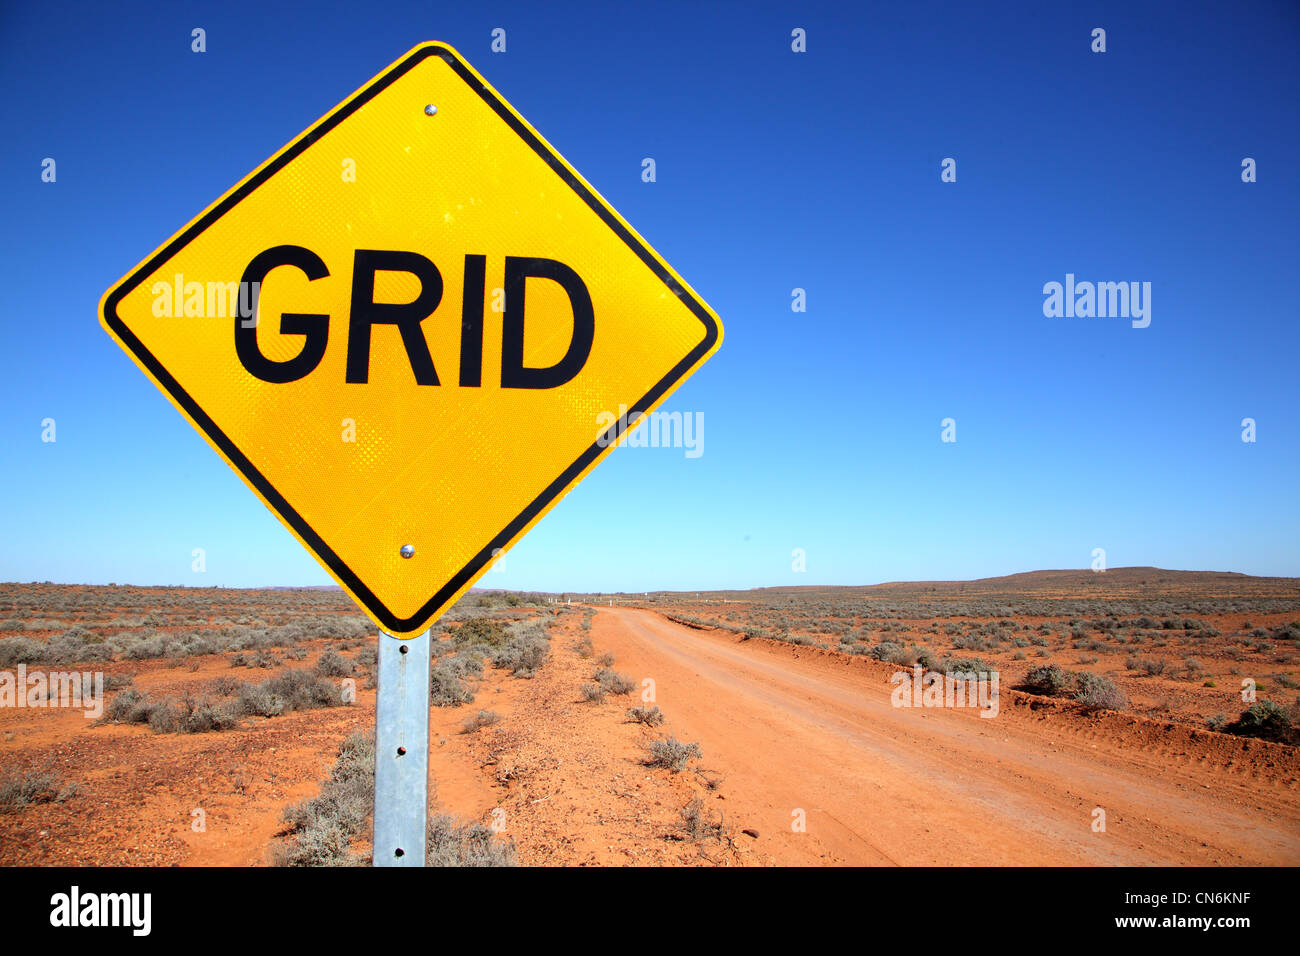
(408, 331)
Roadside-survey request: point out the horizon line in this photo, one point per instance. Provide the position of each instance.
(713, 590)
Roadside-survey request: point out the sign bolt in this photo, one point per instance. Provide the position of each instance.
(430, 110)
(408, 550)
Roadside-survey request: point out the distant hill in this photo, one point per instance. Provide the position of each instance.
(1082, 582)
(1134, 582)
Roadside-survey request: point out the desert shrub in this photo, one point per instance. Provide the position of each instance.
(592, 693)
(697, 824)
(164, 716)
(333, 664)
(20, 650)
(605, 660)
(671, 754)
(484, 718)
(187, 645)
(584, 648)
(30, 788)
(971, 642)
(471, 844)
(650, 716)
(122, 706)
(1099, 693)
(802, 640)
(260, 659)
(226, 685)
(1149, 666)
(524, 650)
(118, 681)
(169, 716)
(927, 658)
(1286, 632)
(522, 657)
(304, 689)
(353, 627)
(257, 700)
(204, 716)
(465, 663)
(1264, 719)
(324, 826)
(891, 652)
(73, 646)
(290, 690)
(614, 682)
(966, 665)
(480, 630)
(446, 689)
(1049, 679)
(145, 648)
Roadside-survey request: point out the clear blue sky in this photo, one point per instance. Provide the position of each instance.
(776, 170)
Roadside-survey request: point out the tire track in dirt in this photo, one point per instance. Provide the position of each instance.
(882, 785)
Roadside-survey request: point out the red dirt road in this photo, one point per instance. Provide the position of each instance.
(795, 729)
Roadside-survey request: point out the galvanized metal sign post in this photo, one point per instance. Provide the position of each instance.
(402, 751)
(411, 332)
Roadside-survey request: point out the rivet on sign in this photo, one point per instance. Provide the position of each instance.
(430, 110)
(408, 550)
(403, 649)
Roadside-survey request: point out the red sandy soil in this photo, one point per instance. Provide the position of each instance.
(782, 729)
(796, 728)
(139, 790)
(568, 774)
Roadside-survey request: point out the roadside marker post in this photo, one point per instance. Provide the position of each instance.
(402, 750)
(411, 332)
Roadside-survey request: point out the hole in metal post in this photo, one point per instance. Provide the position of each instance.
(399, 852)
(403, 649)
(401, 751)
